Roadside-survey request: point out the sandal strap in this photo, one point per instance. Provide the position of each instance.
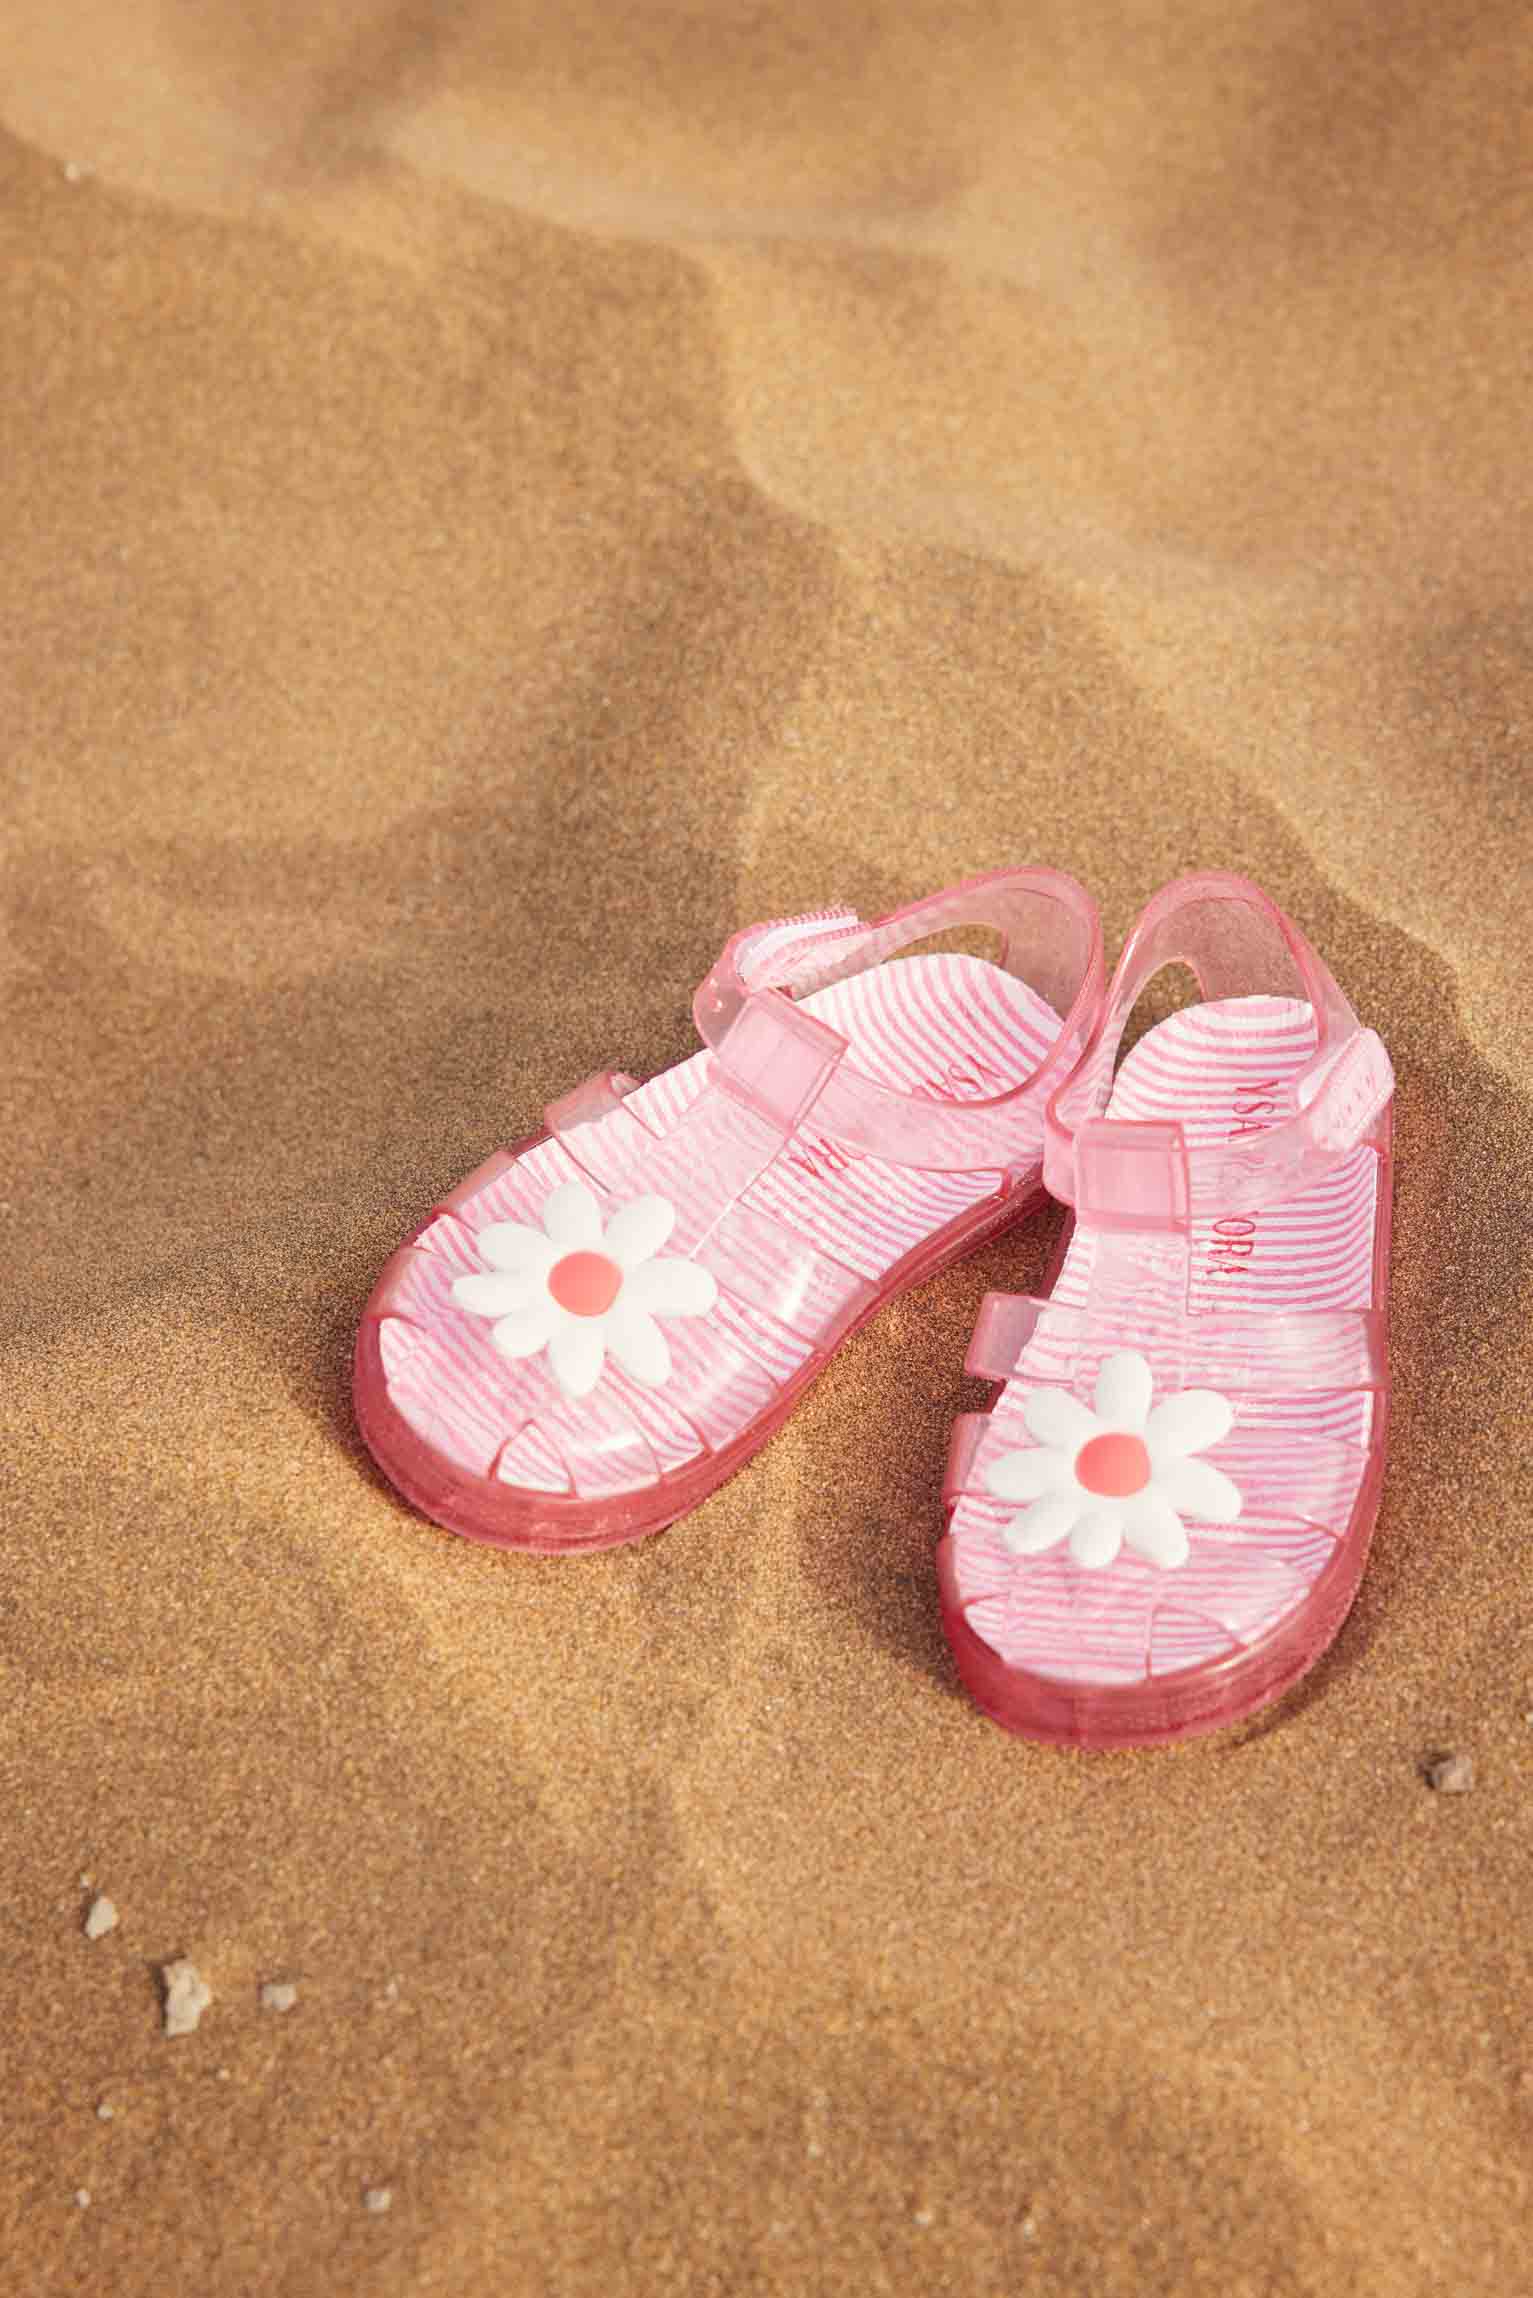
(781, 1062)
(1286, 1352)
(589, 1102)
(1124, 1175)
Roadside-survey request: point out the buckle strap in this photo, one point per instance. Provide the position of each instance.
(793, 954)
(777, 1059)
(1344, 1098)
(780, 1062)
(786, 1067)
(1125, 1175)
(787, 952)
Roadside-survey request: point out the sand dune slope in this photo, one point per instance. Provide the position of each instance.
(494, 500)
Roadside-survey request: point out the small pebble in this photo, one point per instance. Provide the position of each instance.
(105, 2111)
(187, 1996)
(100, 1917)
(1451, 1774)
(72, 171)
(377, 2198)
(82, 2197)
(923, 2217)
(278, 1995)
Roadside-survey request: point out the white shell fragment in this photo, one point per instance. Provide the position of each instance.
(187, 1996)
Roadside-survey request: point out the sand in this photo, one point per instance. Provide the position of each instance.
(495, 500)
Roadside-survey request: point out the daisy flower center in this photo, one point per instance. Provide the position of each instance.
(1113, 1466)
(586, 1284)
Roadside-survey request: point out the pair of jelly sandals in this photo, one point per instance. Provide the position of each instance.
(1162, 1518)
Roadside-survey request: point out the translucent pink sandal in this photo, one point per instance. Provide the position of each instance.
(1163, 1519)
(600, 1325)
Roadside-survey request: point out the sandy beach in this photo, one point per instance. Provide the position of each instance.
(495, 500)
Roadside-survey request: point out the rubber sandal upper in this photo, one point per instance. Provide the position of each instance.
(1191, 1425)
(635, 1292)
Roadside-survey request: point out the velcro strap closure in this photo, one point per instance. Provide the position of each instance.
(793, 955)
(788, 952)
(1349, 1094)
(777, 1059)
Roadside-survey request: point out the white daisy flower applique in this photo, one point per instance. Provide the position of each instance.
(1119, 1474)
(579, 1290)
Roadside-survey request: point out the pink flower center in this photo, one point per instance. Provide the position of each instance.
(586, 1284)
(1113, 1466)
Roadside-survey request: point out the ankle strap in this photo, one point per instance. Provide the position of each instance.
(781, 1061)
(1124, 1175)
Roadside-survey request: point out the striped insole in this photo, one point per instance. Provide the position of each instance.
(801, 1249)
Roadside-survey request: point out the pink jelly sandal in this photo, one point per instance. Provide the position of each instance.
(599, 1326)
(1163, 1519)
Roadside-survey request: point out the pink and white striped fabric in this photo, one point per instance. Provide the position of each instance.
(1277, 1308)
(801, 1241)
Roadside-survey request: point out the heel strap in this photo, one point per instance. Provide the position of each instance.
(1123, 1175)
(780, 1061)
